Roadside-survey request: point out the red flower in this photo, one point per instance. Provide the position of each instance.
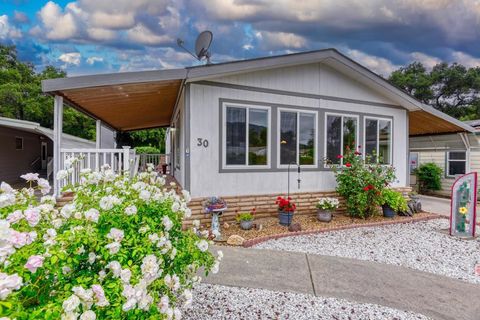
(339, 156)
(348, 164)
(357, 153)
(369, 187)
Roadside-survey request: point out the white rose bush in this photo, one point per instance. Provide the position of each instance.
(117, 251)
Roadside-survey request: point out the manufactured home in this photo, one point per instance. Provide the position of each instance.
(236, 128)
(28, 147)
(456, 154)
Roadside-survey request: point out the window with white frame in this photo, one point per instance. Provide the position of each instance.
(341, 131)
(378, 139)
(246, 138)
(297, 132)
(456, 163)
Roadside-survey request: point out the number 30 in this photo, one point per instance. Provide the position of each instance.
(202, 142)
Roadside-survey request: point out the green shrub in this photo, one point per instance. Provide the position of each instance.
(361, 182)
(146, 149)
(394, 200)
(429, 177)
(244, 216)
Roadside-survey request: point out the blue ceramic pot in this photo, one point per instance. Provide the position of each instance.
(388, 212)
(285, 218)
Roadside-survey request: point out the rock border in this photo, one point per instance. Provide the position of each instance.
(251, 242)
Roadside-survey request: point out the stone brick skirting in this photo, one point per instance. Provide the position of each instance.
(252, 242)
(265, 205)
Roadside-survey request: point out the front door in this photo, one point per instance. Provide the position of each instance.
(43, 154)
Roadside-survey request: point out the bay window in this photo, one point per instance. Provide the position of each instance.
(378, 140)
(297, 132)
(246, 131)
(341, 131)
(456, 163)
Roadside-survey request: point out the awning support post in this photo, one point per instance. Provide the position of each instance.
(57, 141)
(98, 133)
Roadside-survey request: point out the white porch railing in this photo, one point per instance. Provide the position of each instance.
(157, 159)
(119, 160)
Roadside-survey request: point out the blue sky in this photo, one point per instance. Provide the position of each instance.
(98, 36)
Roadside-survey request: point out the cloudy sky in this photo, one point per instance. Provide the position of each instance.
(97, 36)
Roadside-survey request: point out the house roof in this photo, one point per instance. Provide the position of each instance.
(146, 99)
(35, 127)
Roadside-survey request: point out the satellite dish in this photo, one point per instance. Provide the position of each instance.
(202, 44)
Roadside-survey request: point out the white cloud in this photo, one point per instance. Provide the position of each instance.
(113, 20)
(428, 61)
(58, 25)
(381, 66)
(7, 31)
(281, 40)
(141, 34)
(101, 34)
(465, 59)
(71, 58)
(92, 60)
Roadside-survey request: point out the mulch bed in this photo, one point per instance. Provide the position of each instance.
(309, 223)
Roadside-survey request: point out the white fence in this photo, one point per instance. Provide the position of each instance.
(119, 160)
(157, 159)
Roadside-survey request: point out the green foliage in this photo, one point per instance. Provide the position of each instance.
(453, 89)
(21, 96)
(147, 149)
(244, 216)
(394, 200)
(152, 137)
(429, 176)
(361, 183)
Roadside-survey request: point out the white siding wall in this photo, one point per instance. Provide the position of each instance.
(206, 180)
(437, 157)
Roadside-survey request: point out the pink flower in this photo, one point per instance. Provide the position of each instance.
(32, 215)
(34, 262)
(18, 239)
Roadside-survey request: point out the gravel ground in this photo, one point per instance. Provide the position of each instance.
(424, 246)
(220, 302)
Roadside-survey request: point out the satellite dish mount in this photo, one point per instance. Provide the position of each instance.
(202, 44)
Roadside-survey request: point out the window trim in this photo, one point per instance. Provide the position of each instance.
(378, 137)
(447, 161)
(315, 144)
(357, 134)
(246, 106)
(23, 146)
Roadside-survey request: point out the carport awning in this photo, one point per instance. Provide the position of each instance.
(125, 102)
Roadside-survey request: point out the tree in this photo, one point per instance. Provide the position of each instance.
(151, 137)
(453, 89)
(21, 96)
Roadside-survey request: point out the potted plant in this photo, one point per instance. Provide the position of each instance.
(325, 206)
(286, 209)
(245, 219)
(393, 202)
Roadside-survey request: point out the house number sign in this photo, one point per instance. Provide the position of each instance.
(202, 142)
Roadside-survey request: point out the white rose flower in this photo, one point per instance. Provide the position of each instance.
(144, 195)
(88, 315)
(92, 257)
(215, 267)
(175, 206)
(164, 304)
(71, 304)
(125, 275)
(70, 316)
(113, 247)
(167, 223)
(116, 234)
(153, 237)
(129, 305)
(202, 245)
(115, 267)
(62, 174)
(5, 187)
(92, 215)
(130, 210)
(67, 210)
(188, 296)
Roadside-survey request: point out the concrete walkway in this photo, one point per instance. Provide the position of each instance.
(362, 281)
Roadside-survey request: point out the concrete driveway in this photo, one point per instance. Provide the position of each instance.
(437, 205)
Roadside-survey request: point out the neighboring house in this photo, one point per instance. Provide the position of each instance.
(456, 154)
(28, 147)
(235, 127)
